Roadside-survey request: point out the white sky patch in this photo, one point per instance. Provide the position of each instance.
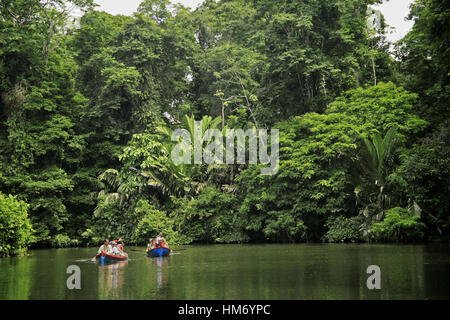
(394, 11)
(129, 6)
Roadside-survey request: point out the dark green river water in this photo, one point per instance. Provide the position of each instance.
(301, 271)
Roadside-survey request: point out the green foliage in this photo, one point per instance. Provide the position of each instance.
(301, 40)
(153, 221)
(380, 108)
(15, 227)
(423, 176)
(87, 109)
(152, 156)
(313, 179)
(158, 10)
(398, 225)
(386, 120)
(234, 72)
(379, 151)
(109, 222)
(211, 217)
(63, 241)
(44, 145)
(425, 58)
(342, 229)
(376, 164)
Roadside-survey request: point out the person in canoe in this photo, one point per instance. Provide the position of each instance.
(115, 249)
(105, 247)
(120, 243)
(158, 247)
(160, 241)
(150, 245)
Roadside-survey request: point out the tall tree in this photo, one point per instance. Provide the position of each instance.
(425, 56)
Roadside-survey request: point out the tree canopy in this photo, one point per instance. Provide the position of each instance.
(89, 104)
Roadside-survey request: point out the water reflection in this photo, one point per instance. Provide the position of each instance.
(19, 280)
(111, 279)
(304, 271)
(160, 265)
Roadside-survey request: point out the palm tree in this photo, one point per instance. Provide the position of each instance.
(377, 153)
(111, 191)
(181, 179)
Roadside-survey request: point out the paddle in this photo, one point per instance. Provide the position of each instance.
(141, 251)
(94, 258)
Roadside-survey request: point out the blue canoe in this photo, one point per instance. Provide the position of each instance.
(158, 252)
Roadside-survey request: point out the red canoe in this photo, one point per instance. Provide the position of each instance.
(103, 257)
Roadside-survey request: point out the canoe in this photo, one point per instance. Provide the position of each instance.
(107, 258)
(158, 252)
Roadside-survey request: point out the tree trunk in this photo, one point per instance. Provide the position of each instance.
(46, 49)
(374, 71)
(223, 115)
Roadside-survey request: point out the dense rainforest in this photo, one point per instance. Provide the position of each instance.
(88, 102)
